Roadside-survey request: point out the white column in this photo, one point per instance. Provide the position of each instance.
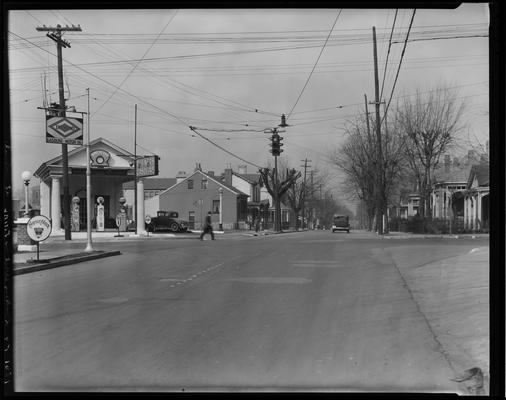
(55, 205)
(45, 199)
(141, 227)
(473, 212)
(466, 211)
(478, 211)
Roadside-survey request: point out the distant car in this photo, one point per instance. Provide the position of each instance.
(167, 220)
(341, 223)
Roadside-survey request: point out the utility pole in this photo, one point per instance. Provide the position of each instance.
(276, 150)
(56, 35)
(135, 171)
(367, 118)
(312, 200)
(380, 188)
(304, 191)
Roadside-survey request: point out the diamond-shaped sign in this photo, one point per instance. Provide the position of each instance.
(64, 130)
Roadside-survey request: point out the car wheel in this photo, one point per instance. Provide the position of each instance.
(174, 227)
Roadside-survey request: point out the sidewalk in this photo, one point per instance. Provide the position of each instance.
(453, 296)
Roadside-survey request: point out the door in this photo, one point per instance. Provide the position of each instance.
(191, 220)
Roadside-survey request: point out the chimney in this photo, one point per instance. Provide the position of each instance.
(242, 169)
(228, 176)
(448, 161)
(180, 176)
(210, 173)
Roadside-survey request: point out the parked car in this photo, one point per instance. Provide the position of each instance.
(167, 220)
(341, 223)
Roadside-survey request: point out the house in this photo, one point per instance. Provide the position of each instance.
(257, 208)
(260, 204)
(200, 192)
(448, 179)
(152, 187)
(476, 199)
(409, 205)
(459, 186)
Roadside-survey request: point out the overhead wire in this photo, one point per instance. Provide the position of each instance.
(315, 64)
(399, 67)
(138, 62)
(388, 54)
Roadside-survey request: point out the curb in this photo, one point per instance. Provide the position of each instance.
(20, 269)
(436, 237)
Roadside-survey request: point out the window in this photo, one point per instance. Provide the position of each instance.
(203, 184)
(216, 206)
(190, 183)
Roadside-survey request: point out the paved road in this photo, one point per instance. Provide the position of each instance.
(301, 311)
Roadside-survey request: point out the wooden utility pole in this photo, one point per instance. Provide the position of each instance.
(304, 191)
(135, 170)
(380, 188)
(56, 35)
(367, 119)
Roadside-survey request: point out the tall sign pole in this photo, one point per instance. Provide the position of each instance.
(89, 246)
(56, 35)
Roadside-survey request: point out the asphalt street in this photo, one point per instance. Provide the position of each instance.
(310, 311)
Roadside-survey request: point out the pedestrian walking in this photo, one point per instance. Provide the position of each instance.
(208, 227)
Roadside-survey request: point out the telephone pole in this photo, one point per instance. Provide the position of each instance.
(56, 35)
(304, 191)
(380, 190)
(135, 172)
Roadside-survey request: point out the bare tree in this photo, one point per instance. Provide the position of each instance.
(285, 181)
(356, 158)
(430, 124)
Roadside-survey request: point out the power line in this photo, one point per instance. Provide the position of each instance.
(388, 54)
(138, 62)
(399, 67)
(316, 63)
(222, 148)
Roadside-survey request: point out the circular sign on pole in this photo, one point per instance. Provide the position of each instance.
(38, 228)
(147, 220)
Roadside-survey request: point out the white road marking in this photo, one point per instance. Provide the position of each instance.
(271, 280)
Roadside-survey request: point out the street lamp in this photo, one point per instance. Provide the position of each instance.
(26, 175)
(220, 191)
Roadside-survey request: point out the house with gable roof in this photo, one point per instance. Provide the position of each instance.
(260, 203)
(476, 199)
(200, 192)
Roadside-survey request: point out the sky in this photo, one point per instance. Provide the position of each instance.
(232, 73)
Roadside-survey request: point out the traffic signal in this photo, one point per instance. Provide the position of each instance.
(276, 144)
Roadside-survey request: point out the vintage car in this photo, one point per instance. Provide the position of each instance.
(340, 223)
(167, 220)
